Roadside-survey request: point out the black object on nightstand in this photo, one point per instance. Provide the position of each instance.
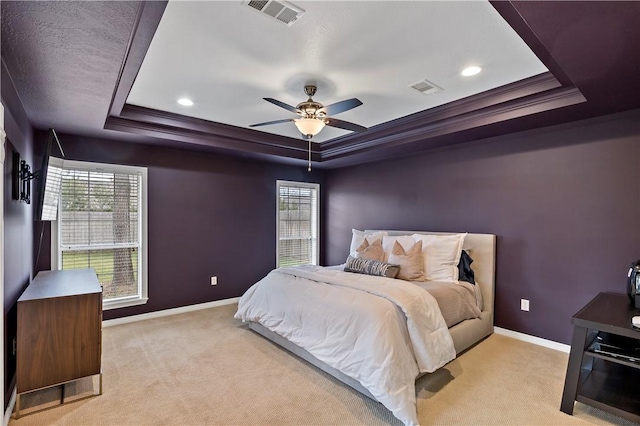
(604, 363)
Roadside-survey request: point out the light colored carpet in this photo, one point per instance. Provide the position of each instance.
(205, 368)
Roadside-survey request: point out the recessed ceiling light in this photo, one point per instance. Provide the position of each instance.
(469, 71)
(185, 102)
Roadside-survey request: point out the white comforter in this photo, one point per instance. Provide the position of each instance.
(381, 332)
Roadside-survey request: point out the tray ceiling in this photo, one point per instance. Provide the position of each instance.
(226, 57)
(114, 70)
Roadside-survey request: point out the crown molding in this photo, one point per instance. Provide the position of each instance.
(204, 139)
(519, 89)
(535, 94)
(557, 98)
(163, 118)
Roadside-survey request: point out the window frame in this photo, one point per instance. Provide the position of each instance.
(56, 252)
(315, 186)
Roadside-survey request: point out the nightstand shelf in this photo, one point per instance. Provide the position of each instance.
(611, 387)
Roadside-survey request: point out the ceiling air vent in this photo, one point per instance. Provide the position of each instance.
(281, 11)
(426, 87)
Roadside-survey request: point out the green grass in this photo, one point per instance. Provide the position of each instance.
(102, 262)
(290, 262)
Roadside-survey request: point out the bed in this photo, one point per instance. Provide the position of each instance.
(387, 374)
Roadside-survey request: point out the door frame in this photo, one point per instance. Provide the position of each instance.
(2, 155)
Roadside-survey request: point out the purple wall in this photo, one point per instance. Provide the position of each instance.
(208, 215)
(18, 224)
(564, 202)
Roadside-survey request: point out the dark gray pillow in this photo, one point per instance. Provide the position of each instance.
(465, 273)
(371, 267)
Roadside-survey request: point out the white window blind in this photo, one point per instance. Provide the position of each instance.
(298, 223)
(100, 227)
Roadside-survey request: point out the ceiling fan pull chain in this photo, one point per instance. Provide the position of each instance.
(309, 169)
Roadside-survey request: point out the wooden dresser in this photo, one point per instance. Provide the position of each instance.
(59, 330)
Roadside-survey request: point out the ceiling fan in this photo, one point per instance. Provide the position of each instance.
(313, 116)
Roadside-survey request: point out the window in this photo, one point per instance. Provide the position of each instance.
(102, 225)
(298, 215)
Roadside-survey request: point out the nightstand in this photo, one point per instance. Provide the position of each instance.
(604, 363)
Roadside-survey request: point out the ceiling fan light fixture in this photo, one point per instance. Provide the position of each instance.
(309, 126)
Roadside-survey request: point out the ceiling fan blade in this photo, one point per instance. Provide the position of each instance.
(342, 106)
(282, 104)
(341, 124)
(266, 123)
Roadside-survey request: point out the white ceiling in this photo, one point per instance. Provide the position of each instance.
(226, 57)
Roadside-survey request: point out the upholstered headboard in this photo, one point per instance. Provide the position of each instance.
(482, 248)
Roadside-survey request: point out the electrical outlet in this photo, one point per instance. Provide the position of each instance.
(214, 280)
(524, 304)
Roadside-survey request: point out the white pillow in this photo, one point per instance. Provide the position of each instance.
(358, 238)
(406, 241)
(441, 255)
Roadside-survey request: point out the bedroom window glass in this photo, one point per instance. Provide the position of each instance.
(102, 225)
(298, 214)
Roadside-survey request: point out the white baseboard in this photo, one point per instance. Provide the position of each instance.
(168, 312)
(533, 339)
(9, 412)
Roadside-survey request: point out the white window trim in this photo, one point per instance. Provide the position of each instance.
(315, 186)
(120, 302)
